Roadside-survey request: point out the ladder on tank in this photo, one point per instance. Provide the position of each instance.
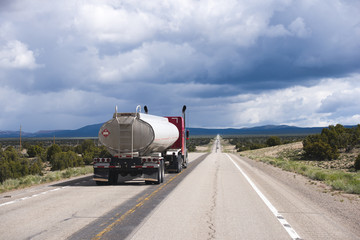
(126, 132)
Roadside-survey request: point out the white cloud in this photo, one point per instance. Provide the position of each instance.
(329, 102)
(131, 23)
(106, 23)
(342, 104)
(277, 31)
(155, 61)
(15, 54)
(298, 28)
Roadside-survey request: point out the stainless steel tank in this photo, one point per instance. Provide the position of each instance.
(137, 133)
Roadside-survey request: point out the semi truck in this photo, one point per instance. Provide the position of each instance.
(142, 146)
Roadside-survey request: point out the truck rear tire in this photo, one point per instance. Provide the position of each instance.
(179, 163)
(162, 164)
(159, 175)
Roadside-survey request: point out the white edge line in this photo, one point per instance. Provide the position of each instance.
(32, 196)
(278, 216)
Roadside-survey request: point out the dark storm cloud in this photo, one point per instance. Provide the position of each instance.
(218, 57)
(5, 5)
(250, 46)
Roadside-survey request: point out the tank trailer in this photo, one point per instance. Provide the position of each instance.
(142, 146)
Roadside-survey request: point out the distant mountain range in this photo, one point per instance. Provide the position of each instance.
(92, 131)
(87, 131)
(261, 130)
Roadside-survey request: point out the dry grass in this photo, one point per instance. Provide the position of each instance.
(205, 148)
(338, 174)
(227, 147)
(294, 152)
(202, 148)
(32, 180)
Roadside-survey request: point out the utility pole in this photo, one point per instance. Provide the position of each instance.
(20, 137)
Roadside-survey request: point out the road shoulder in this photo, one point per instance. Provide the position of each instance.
(317, 213)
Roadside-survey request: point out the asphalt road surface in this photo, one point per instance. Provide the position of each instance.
(219, 196)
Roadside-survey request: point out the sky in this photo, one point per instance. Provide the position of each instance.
(65, 64)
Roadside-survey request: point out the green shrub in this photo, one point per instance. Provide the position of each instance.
(63, 160)
(254, 146)
(357, 163)
(13, 165)
(273, 141)
(34, 150)
(316, 148)
(51, 151)
(327, 144)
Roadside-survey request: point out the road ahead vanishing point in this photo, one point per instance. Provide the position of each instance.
(219, 196)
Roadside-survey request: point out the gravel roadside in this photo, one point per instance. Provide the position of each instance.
(342, 208)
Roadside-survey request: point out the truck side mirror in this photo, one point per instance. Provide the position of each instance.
(187, 134)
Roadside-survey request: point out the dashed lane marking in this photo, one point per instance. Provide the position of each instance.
(281, 219)
(32, 196)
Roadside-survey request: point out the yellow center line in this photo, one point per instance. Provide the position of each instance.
(122, 217)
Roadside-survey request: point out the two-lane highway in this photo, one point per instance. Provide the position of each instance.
(219, 196)
(214, 202)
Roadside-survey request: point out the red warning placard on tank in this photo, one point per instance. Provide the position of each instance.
(105, 132)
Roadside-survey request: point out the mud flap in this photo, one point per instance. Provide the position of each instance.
(101, 174)
(150, 174)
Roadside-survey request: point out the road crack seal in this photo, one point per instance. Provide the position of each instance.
(211, 213)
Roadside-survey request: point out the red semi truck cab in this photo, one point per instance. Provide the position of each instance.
(180, 124)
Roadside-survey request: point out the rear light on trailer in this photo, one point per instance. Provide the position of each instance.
(151, 160)
(102, 160)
